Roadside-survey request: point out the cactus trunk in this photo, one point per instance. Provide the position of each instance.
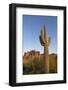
(46, 53)
(45, 43)
(46, 59)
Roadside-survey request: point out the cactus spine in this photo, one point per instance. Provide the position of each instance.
(45, 41)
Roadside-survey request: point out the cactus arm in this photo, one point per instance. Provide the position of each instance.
(49, 41)
(41, 41)
(42, 36)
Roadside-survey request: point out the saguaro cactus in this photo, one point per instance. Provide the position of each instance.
(45, 41)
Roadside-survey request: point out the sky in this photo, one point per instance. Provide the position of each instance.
(31, 31)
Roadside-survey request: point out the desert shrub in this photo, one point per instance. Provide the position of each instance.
(53, 64)
(38, 66)
(27, 68)
(33, 67)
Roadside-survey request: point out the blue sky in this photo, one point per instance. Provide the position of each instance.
(31, 28)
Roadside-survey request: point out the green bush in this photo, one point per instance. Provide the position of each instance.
(34, 67)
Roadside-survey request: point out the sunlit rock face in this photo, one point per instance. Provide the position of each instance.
(31, 55)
